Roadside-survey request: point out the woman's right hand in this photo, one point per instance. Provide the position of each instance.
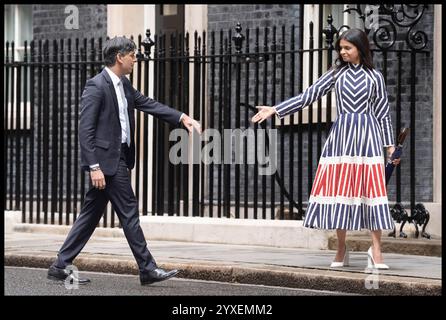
(264, 113)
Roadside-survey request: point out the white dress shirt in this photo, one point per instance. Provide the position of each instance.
(121, 104)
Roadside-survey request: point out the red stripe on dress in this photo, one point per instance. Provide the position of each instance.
(346, 182)
(316, 178)
(352, 180)
(338, 178)
(371, 184)
(366, 189)
(345, 189)
(364, 182)
(320, 183)
(333, 181)
(349, 180)
(358, 180)
(326, 184)
(382, 180)
(341, 179)
(376, 181)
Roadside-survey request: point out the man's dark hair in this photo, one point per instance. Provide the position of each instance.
(114, 46)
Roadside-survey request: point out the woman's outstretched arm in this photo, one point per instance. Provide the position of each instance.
(317, 90)
(321, 87)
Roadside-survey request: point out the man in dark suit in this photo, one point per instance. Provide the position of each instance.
(106, 137)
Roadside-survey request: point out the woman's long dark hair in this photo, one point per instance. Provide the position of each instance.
(359, 39)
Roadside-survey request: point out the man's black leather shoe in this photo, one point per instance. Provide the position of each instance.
(59, 274)
(156, 275)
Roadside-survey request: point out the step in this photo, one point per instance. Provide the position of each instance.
(410, 245)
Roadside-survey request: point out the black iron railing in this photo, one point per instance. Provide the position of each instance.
(213, 81)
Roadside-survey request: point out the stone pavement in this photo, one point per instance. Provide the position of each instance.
(288, 267)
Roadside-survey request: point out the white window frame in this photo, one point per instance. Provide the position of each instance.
(19, 49)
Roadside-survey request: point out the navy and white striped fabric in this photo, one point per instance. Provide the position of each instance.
(358, 90)
(349, 188)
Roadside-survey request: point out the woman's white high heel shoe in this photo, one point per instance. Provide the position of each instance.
(371, 262)
(343, 263)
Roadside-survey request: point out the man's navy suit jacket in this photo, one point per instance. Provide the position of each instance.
(99, 125)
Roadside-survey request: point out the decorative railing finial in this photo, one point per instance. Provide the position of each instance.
(238, 38)
(147, 43)
(329, 32)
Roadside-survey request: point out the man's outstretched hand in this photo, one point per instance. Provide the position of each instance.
(190, 124)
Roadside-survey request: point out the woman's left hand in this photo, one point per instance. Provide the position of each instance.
(390, 151)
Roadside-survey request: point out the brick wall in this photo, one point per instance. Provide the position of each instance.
(49, 23)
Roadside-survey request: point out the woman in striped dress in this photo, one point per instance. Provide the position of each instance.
(349, 191)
